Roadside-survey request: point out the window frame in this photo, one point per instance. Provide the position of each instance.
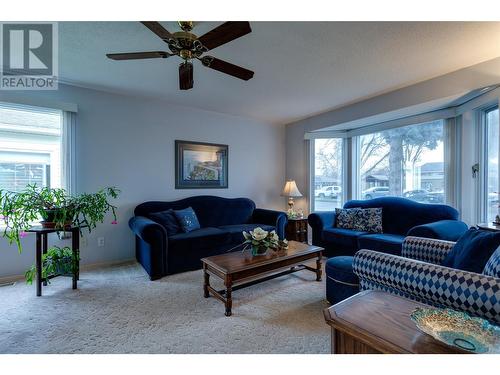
(447, 148)
(482, 181)
(312, 169)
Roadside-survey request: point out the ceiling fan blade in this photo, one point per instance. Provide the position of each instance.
(186, 76)
(224, 33)
(228, 68)
(138, 55)
(159, 30)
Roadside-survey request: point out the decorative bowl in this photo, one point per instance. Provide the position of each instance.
(457, 329)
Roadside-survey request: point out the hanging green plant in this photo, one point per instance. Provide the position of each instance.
(57, 261)
(54, 208)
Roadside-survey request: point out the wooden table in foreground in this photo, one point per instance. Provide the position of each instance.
(374, 322)
(243, 269)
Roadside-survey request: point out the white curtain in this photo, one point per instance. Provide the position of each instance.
(68, 151)
(453, 162)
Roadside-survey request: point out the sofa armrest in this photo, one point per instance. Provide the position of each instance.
(449, 230)
(474, 293)
(277, 219)
(426, 249)
(147, 230)
(319, 221)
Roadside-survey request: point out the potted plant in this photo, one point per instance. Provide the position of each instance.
(57, 261)
(53, 208)
(261, 240)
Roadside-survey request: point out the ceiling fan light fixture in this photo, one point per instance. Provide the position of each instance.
(186, 75)
(188, 46)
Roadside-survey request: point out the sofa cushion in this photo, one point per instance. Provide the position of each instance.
(385, 243)
(401, 214)
(345, 218)
(344, 241)
(492, 267)
(187, 219)
(211, 211)
(472, 250)
(168, 220)
(237, 229)
(202, 232)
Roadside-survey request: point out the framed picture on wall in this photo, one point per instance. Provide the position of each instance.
(200, 165)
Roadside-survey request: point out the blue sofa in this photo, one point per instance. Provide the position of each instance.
(222, 221)
(401, 217)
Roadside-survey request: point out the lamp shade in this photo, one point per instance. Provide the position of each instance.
(291, 190)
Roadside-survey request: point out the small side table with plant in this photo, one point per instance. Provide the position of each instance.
(59, 212)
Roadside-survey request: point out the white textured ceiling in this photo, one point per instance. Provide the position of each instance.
(301, 68)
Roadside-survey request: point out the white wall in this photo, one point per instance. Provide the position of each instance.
(128, 142)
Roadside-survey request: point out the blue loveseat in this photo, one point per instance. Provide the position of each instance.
(222, 221)
(401, 217)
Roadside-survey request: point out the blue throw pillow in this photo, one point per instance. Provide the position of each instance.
(187, 219)
(472, 250)
(492, 267)
(167, 220)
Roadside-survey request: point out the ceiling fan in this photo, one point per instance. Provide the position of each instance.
(188, 46)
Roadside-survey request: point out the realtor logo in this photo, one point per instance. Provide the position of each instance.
(28, 56)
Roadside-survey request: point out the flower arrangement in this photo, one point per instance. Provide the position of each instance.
(262, 240)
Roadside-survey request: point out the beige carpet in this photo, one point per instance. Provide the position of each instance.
(118, 310)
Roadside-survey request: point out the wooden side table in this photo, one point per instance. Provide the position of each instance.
(489, 226)
(374, 322)
(296, 230)
(41, 248)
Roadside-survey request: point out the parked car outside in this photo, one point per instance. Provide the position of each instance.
(418, 195)
(332, 192)
(435, 197)
(375, 192)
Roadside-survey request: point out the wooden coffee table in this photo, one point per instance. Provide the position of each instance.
(373, 322)
(243, 269)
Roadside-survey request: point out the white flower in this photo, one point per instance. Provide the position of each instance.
(246, 235)
(259, 234)
(274, 236)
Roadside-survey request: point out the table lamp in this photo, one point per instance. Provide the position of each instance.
(291, 191)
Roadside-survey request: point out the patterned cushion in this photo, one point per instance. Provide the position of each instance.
(492, 267)
(187, 219)
(345, 217)
(426, 249)
(360, 219)
(474, 293)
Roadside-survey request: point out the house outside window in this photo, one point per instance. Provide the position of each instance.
(30, 147)
(403, 162)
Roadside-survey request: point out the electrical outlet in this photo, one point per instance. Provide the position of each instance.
(100, 241)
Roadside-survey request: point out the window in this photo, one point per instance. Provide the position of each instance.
(492, 182)
(405, 162)
(327, 181)
(30, 147)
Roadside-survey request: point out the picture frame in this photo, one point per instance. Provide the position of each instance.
(200, 165)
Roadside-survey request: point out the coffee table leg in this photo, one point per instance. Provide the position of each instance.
(206, 282)
(318, 268)
(229, 300)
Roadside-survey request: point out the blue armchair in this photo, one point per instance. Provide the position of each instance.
(222, 221)
(417, 275)
(401, 217)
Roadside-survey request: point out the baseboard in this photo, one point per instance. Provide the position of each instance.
(7, 280)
